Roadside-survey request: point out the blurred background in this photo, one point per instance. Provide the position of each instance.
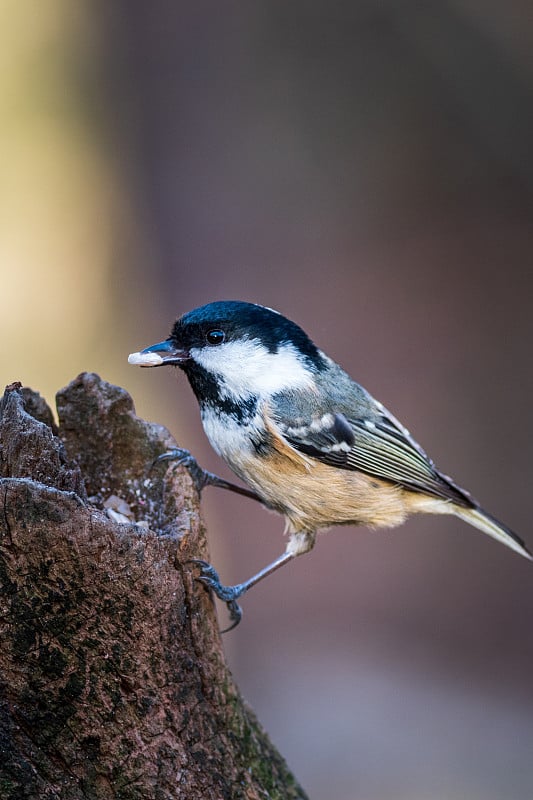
(366, 168)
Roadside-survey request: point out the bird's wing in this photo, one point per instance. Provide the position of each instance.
(377, 445)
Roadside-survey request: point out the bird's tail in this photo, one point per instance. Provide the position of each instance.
(488, 524)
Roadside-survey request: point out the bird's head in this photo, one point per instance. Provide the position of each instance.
(236, 350)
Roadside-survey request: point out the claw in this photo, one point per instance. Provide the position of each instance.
(228, 594)
(235, 615)
(209, 577)
(175, 454)
(199, 476)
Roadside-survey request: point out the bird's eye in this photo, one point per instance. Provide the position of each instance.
(215, 336)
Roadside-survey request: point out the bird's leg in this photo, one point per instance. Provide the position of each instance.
(229, 594)
(201, 478)
(299, 542)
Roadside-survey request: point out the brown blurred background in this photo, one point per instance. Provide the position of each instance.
(366, 168)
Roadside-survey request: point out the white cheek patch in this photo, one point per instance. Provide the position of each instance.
(246, 368)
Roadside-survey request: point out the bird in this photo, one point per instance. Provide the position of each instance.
(307, 440)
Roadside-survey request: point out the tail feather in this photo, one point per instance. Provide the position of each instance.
(488, 524)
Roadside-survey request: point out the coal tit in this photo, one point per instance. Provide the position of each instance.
(310, 442)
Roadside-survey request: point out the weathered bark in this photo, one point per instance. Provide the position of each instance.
(113, 682)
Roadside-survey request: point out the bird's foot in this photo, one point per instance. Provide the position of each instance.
(200, 477)
(228, 594)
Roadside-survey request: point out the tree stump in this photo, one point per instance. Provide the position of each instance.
(113, 682)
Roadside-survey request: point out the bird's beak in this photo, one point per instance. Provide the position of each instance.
(159, 355)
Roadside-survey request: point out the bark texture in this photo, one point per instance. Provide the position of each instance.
(113, 682)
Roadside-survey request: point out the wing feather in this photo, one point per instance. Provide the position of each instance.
(377, 445)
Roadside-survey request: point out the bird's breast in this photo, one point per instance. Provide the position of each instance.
(233, 439)
(309, 493)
